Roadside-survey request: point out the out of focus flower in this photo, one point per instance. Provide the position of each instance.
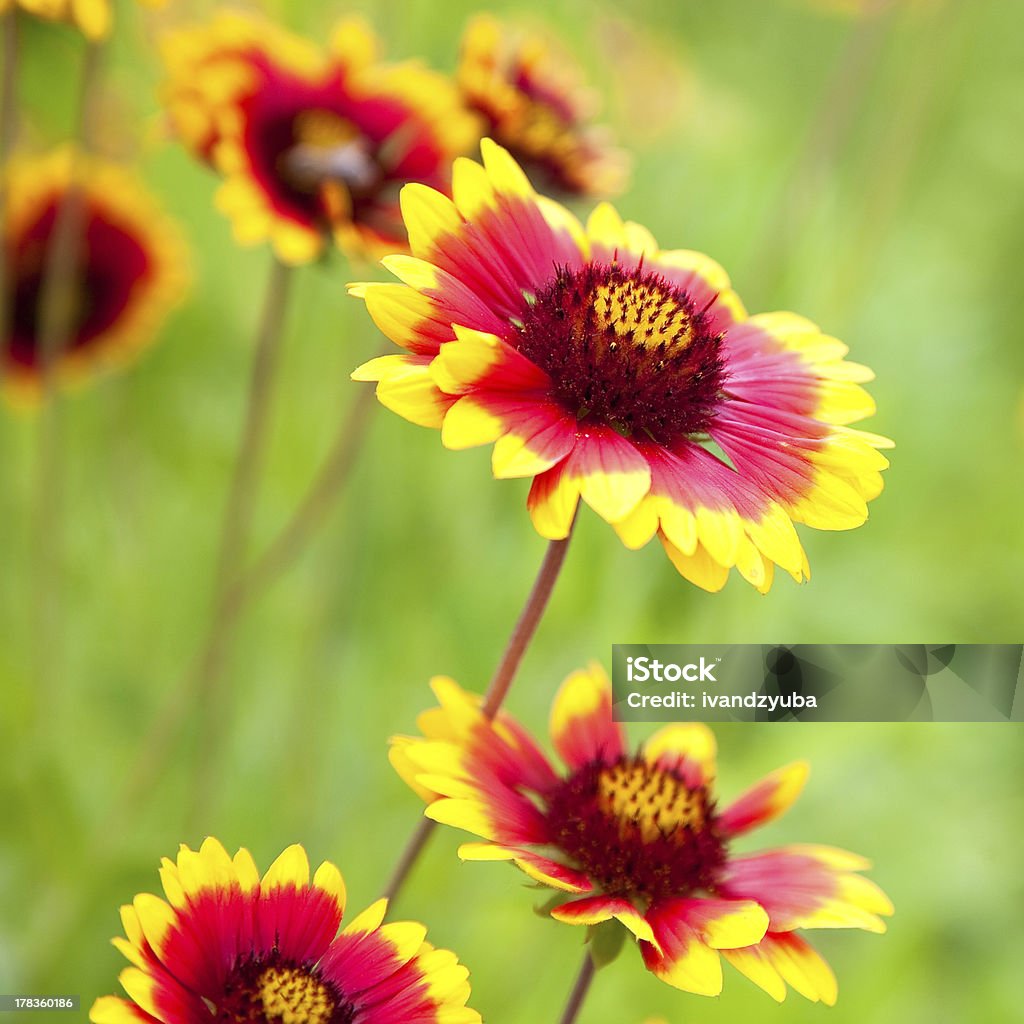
(638, 837)
(611, 370)
(129, 269)
(310, 142)
(91, 17)
(533, 103)
(227, 945)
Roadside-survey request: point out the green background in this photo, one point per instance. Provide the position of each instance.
(864, 173)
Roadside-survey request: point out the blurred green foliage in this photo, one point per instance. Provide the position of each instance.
(864, 173)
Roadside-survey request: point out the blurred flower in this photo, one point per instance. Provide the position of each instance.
(310, 142)
(130, 268)
(229, 946)
(608, 369)
(534, 105)
(639, 837)
(91, 17)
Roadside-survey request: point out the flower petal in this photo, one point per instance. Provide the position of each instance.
(680, 958)
(552, 502)
(612, 475)
(684, 747)
(540, 869)
(782, 957)
(722, 924)
(767, 800)
(802, 886)
(581, 724)
(595, 909)
(405, 386)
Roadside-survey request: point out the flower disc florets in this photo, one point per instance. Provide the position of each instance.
(637, 829)
(261, 989)
(626, 347)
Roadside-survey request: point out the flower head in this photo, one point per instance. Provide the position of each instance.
(309, 142)
(532, 103)
(611, 370)
(227, 945)
(130, 268)
(639, 837)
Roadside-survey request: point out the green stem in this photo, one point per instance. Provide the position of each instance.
(208, 681)
(201, 689)
(501, 682)
(526, 625)
(579, 990)
(8, 132)
(56, 314)
(252, 447)
(828, 131)
(293, 537)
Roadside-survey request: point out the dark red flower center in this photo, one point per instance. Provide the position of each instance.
(637, 829)
(111, 263)
(271, 990)
(532, 116)
(311, 159)
(540, 141)
(626, 348)
(317, 163)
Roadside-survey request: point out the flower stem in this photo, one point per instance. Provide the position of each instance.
(829, 130)
(9, 81)
(308, 517)
(579, 990)
(923, 92)
(252, 448)
(8, 132)
(497, 691)
(55, 317)
(202, 679)
(526, 626)
(207, 682)
(413, 848)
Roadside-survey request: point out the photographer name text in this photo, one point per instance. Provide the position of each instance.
(651, 670)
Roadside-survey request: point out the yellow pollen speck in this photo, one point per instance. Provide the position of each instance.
(323, 128)
(291, 995)
(643, 313)
(649, 800)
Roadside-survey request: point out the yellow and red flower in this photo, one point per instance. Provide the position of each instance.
(611, 370)
(309, 142)
(638, 837)
(532, 102)
(129, 271)
(229, 945)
